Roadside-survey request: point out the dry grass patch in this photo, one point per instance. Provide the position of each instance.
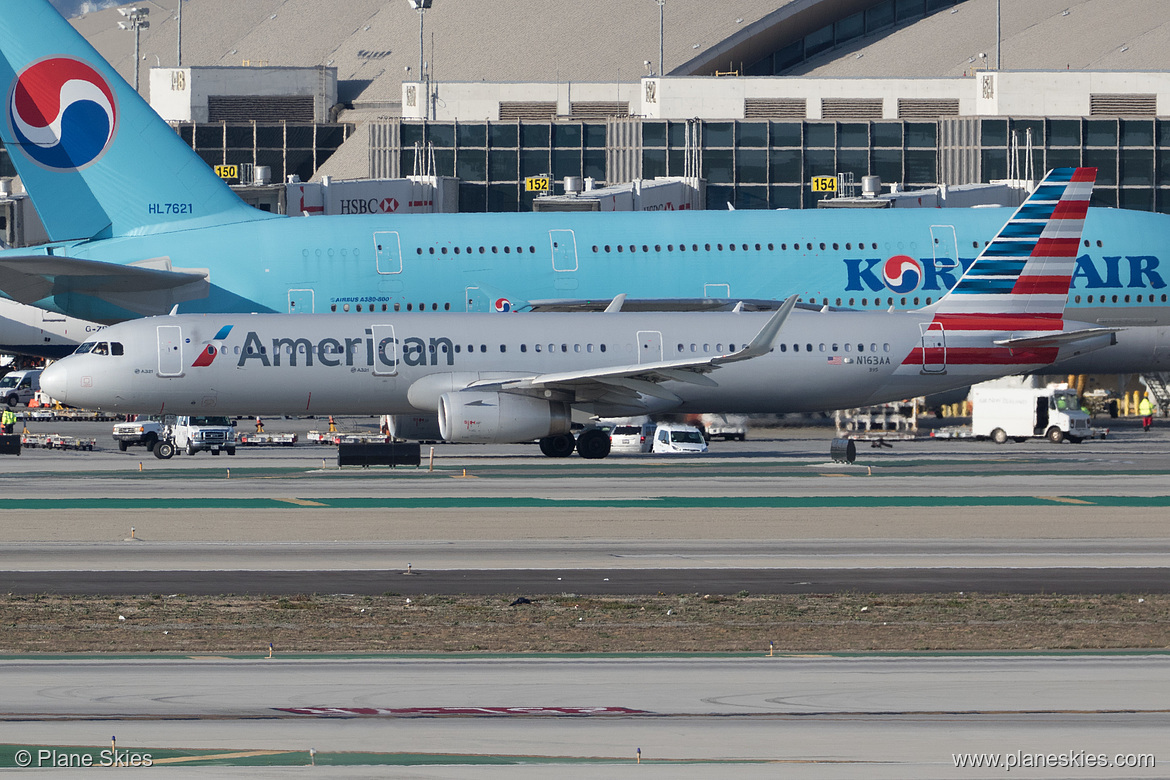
(568, 623)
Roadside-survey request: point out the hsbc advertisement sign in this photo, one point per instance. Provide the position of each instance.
(382, 196)
(368, 205)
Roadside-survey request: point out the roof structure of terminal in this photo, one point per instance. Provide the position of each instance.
(373, 42)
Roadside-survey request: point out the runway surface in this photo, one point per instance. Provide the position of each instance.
(863, 716)
(595, 581)
(762, 516)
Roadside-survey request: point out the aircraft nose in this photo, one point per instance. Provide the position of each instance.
(55, 382)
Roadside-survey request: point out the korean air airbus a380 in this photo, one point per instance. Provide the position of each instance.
(139, 223)
(491, 378)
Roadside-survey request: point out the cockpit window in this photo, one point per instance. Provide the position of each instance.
(101, 348)
(116, 348)
(83, 348)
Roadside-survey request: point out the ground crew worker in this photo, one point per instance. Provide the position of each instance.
(8, 420)
(259, 425)
(1146, 410)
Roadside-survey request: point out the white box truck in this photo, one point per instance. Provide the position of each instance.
(1002, 413)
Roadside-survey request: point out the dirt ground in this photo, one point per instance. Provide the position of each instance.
(565, 623)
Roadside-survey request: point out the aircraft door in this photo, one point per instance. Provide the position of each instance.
(385, 350)
(477, 299)
(934, 348)
(388, 252)
(564, 250)
(170, 350)
(301, 301)
(649, 346)
(944, 247)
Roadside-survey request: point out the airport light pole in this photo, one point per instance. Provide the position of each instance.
(179, 39)
(998, 34)
(424, 78)
(661, 32)
(135, 20)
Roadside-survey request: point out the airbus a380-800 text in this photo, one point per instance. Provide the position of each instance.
(489, 378)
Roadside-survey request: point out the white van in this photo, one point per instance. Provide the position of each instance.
(677, 438)
(193, 434)
(18, 387)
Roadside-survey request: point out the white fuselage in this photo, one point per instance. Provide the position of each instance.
(398, 364)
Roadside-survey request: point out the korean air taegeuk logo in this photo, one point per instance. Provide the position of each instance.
(62, 113)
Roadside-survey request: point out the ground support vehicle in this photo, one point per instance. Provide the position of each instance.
(1020, 413)
(632, 437)
(676, 438)
(335, 438)
(214, 434)
(144, 429)
(276, 439)
(728, 427)
(55, 441)
(17, 388)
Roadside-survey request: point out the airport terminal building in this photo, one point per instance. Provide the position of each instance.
(757, 97)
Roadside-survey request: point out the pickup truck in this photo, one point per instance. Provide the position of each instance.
(145, 429)
(728, 427)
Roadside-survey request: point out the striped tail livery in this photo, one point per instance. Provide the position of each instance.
(1008, 308)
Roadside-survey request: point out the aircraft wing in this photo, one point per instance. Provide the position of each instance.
(645, 378)
(140, 288)
(1057, 339)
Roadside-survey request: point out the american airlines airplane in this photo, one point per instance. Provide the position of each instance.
(490, 378)
(139, 223)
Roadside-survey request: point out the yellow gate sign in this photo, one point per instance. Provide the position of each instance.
(824, 184)
(538, 184)
(227, 171)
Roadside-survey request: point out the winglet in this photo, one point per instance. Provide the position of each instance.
(762, 343)
(616, 304)
(174, 310)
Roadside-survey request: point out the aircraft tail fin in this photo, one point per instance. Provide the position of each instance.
(95, 158)
(1027, 269)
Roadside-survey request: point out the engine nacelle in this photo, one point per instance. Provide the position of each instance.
(415, 427)
(499, 418)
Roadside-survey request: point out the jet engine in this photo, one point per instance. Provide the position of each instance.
(483, 418)
(414, 427)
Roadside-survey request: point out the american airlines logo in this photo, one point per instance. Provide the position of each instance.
(1108, 273)
(209, 352)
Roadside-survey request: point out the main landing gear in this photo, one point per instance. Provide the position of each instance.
(592, 444)
(560, 446)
